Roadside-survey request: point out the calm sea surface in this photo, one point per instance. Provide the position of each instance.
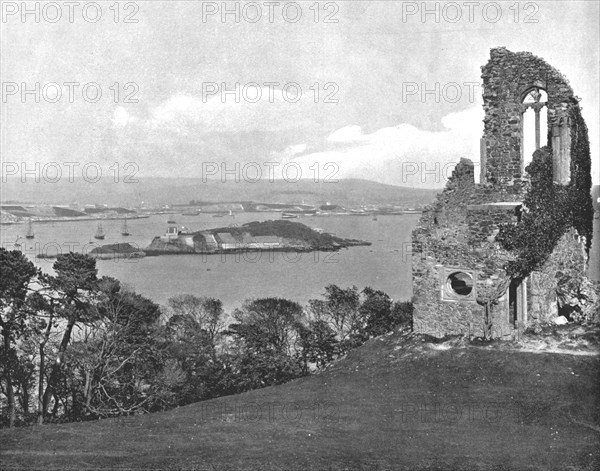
(298, 276)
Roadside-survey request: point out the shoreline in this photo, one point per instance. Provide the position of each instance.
(146, 216)
(155, 253)
(42, 221)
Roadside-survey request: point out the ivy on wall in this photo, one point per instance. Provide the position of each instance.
(544, 220)
(581, 178)
(551, 209)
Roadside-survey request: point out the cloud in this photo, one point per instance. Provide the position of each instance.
(403, 154)
(294, 150)
(121, 117)
(348, 134)
(186, 130)
(250, 109)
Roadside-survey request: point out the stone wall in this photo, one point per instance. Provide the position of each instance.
(484, 220)
(453, 233)
(507, 78)
(555, 284)
(456, 233)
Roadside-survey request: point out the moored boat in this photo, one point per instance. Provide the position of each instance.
(125, 229)
(30, 234)
(99, 232)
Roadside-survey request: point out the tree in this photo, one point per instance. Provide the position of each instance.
(72, 292)
(375, 314)
(402, 313)
(340, 310)
(318, 344)
(193, 331)
(489, 297)
(269, 324)
(263, 343)
(206, 313)
(117, 367)
(43, 327)
(16, 275)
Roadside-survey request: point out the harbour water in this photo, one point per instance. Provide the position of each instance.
(385, 265)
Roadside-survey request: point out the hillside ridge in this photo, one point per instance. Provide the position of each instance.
(400, 401)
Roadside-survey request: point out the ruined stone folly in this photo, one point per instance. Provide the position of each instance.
(490, 259)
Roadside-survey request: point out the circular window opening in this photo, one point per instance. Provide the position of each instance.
(460, 283)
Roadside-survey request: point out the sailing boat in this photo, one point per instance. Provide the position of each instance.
(125, 229)
(99, 232)
(29, 234)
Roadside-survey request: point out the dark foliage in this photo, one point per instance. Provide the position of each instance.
(95, 349)
(551, 209)
(547, 214)
(285, 229)
(580, 198)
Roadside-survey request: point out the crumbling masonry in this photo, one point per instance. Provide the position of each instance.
(458, 266)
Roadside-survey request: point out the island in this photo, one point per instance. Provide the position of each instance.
(106, 252)
(111, 251)
(279, 235)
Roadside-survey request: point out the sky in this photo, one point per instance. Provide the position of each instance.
(374, 90)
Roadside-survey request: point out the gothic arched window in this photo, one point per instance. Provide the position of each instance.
(534, 124)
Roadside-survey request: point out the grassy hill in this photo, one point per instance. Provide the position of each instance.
(397, 403)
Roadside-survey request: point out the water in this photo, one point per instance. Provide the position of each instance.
(385, 265)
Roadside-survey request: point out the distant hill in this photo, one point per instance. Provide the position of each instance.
(158, 191)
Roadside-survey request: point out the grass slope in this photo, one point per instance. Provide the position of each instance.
(399, 402)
